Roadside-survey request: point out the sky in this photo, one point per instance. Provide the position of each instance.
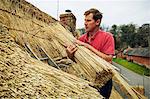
(114, 11)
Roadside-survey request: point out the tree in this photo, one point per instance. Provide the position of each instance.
(142, 34)
(115, 31)
(128, 33)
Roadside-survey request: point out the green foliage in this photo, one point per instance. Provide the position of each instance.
(132, 66)
(82, 31)
(130, 35)
(142, 34)
(127, 32)
(115, 31)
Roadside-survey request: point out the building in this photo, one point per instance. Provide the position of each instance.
(140, 56)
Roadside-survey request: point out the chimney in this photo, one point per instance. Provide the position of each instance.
(68, 20)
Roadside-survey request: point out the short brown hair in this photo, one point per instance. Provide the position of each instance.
(96, 14)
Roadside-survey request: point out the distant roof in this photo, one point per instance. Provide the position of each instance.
(144, 52)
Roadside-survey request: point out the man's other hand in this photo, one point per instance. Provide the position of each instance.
(71, 49)
(80, 43)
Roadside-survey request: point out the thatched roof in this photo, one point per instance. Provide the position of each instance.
(42, 37)
(24, 77)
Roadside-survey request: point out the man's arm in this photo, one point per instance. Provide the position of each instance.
(100, 54)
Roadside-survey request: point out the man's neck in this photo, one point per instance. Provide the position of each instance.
(93, 32)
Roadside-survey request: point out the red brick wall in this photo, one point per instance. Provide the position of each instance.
(136, 59)
(141, 60)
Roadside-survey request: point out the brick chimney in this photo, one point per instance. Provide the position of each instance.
(68, 20)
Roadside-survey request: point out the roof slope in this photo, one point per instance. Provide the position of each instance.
(24, 77)
(144, 52)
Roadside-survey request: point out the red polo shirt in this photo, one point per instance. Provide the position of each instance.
(102, 41)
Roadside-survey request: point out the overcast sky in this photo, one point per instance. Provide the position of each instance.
(114, 11)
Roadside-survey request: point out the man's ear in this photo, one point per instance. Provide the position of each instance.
(98, 22)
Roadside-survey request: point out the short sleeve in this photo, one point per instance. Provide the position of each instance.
(109, 47)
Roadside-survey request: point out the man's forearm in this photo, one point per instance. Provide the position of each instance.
(100, 54)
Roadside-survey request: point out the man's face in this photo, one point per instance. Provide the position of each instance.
(90, 23)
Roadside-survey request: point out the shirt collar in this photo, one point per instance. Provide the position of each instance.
(93, 37)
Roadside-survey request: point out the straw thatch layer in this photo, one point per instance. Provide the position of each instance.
(24, 77)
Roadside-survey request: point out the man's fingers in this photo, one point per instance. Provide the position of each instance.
(66, 45)
(71, 49)
(74, 50)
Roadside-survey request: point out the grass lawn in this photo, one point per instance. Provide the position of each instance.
(132, 66)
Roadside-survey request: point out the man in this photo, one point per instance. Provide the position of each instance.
(96, 40)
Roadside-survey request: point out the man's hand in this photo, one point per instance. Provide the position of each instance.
(80, 43)
(71, 49)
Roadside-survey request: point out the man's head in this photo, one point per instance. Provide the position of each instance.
(92, 19)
